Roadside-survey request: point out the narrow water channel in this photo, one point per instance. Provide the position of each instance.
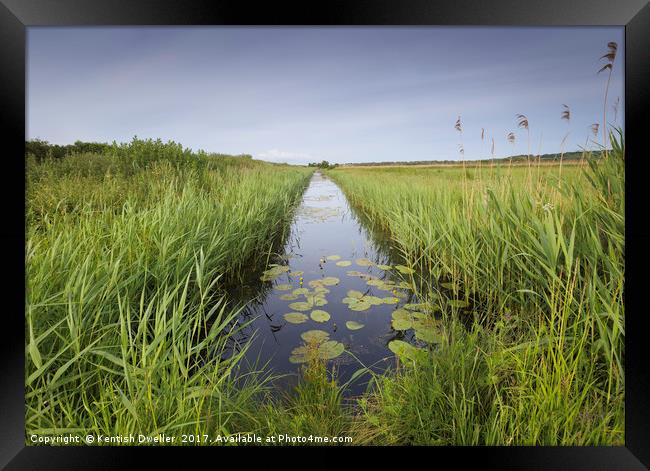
(328, 241)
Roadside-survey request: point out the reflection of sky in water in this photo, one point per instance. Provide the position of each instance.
(325, 225)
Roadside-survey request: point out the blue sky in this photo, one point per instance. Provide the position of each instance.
(297, 95)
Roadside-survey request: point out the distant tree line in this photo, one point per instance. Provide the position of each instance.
(322, 164)
(148, 150)
(515, 158)
(42, 149)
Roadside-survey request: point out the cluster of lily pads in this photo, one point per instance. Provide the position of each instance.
(312, 298)
(274, 272)
(425, 326)
(427, 329)
(317, 346)
(317, 343)
(357, 301)
(410, 316)
(314, 214)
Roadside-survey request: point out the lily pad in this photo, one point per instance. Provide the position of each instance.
(304, 353)
(316, 283)
(301, 350)
(326, 351)
(330, 349)
(274, 272)
(375, 282)
(354, 325)
(349, 300)
(321, 290)
(374, 300)
(384, 267)
(279, 268)
(384, 287)
(401, 314)
(299, 291)
(295, 317)
(355, 294)
(318, 301)
(415, 307)
(427, 329)
(330, 280)
(355, 273)
(333, 257)
(320, 316)
(401, 324)
(300, 306)
(364, 262)
(344, 263)
(283, 287)
(390, 300)
(315, 336)
(297, 273)
(360, 306)
(289, 297)
(401, 319)
(404, 269)
(428, 335)
(298, 359)
(406, 351)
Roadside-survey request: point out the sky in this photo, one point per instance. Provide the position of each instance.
(341, 94)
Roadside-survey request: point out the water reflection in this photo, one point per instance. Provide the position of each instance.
(326, 226)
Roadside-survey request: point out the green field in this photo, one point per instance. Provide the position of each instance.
(129, 255)
(540, 258)
(132, 252)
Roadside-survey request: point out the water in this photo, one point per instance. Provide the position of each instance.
(326, 225)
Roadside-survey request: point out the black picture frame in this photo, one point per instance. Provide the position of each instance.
(16, 15)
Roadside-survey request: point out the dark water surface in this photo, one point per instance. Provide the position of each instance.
(325, 225)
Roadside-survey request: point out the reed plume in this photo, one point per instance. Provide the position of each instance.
(459, 127)
(522, 122)
(566, 114)
(511, 139)
(609, 57)
(594, 129)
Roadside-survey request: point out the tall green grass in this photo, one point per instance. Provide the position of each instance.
(541, 260)
(129, 253)
(130, 329)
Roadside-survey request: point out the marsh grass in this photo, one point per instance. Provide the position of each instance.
(313, 407)
(129, 326)
(541, 362)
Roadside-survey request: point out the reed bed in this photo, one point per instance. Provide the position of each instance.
(129, 255)
(539, 255)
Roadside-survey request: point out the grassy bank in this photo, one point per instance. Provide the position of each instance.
(132, 253)
(128, 257)
(537, 255)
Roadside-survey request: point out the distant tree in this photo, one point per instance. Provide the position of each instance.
(41, 149)
(322, 164)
